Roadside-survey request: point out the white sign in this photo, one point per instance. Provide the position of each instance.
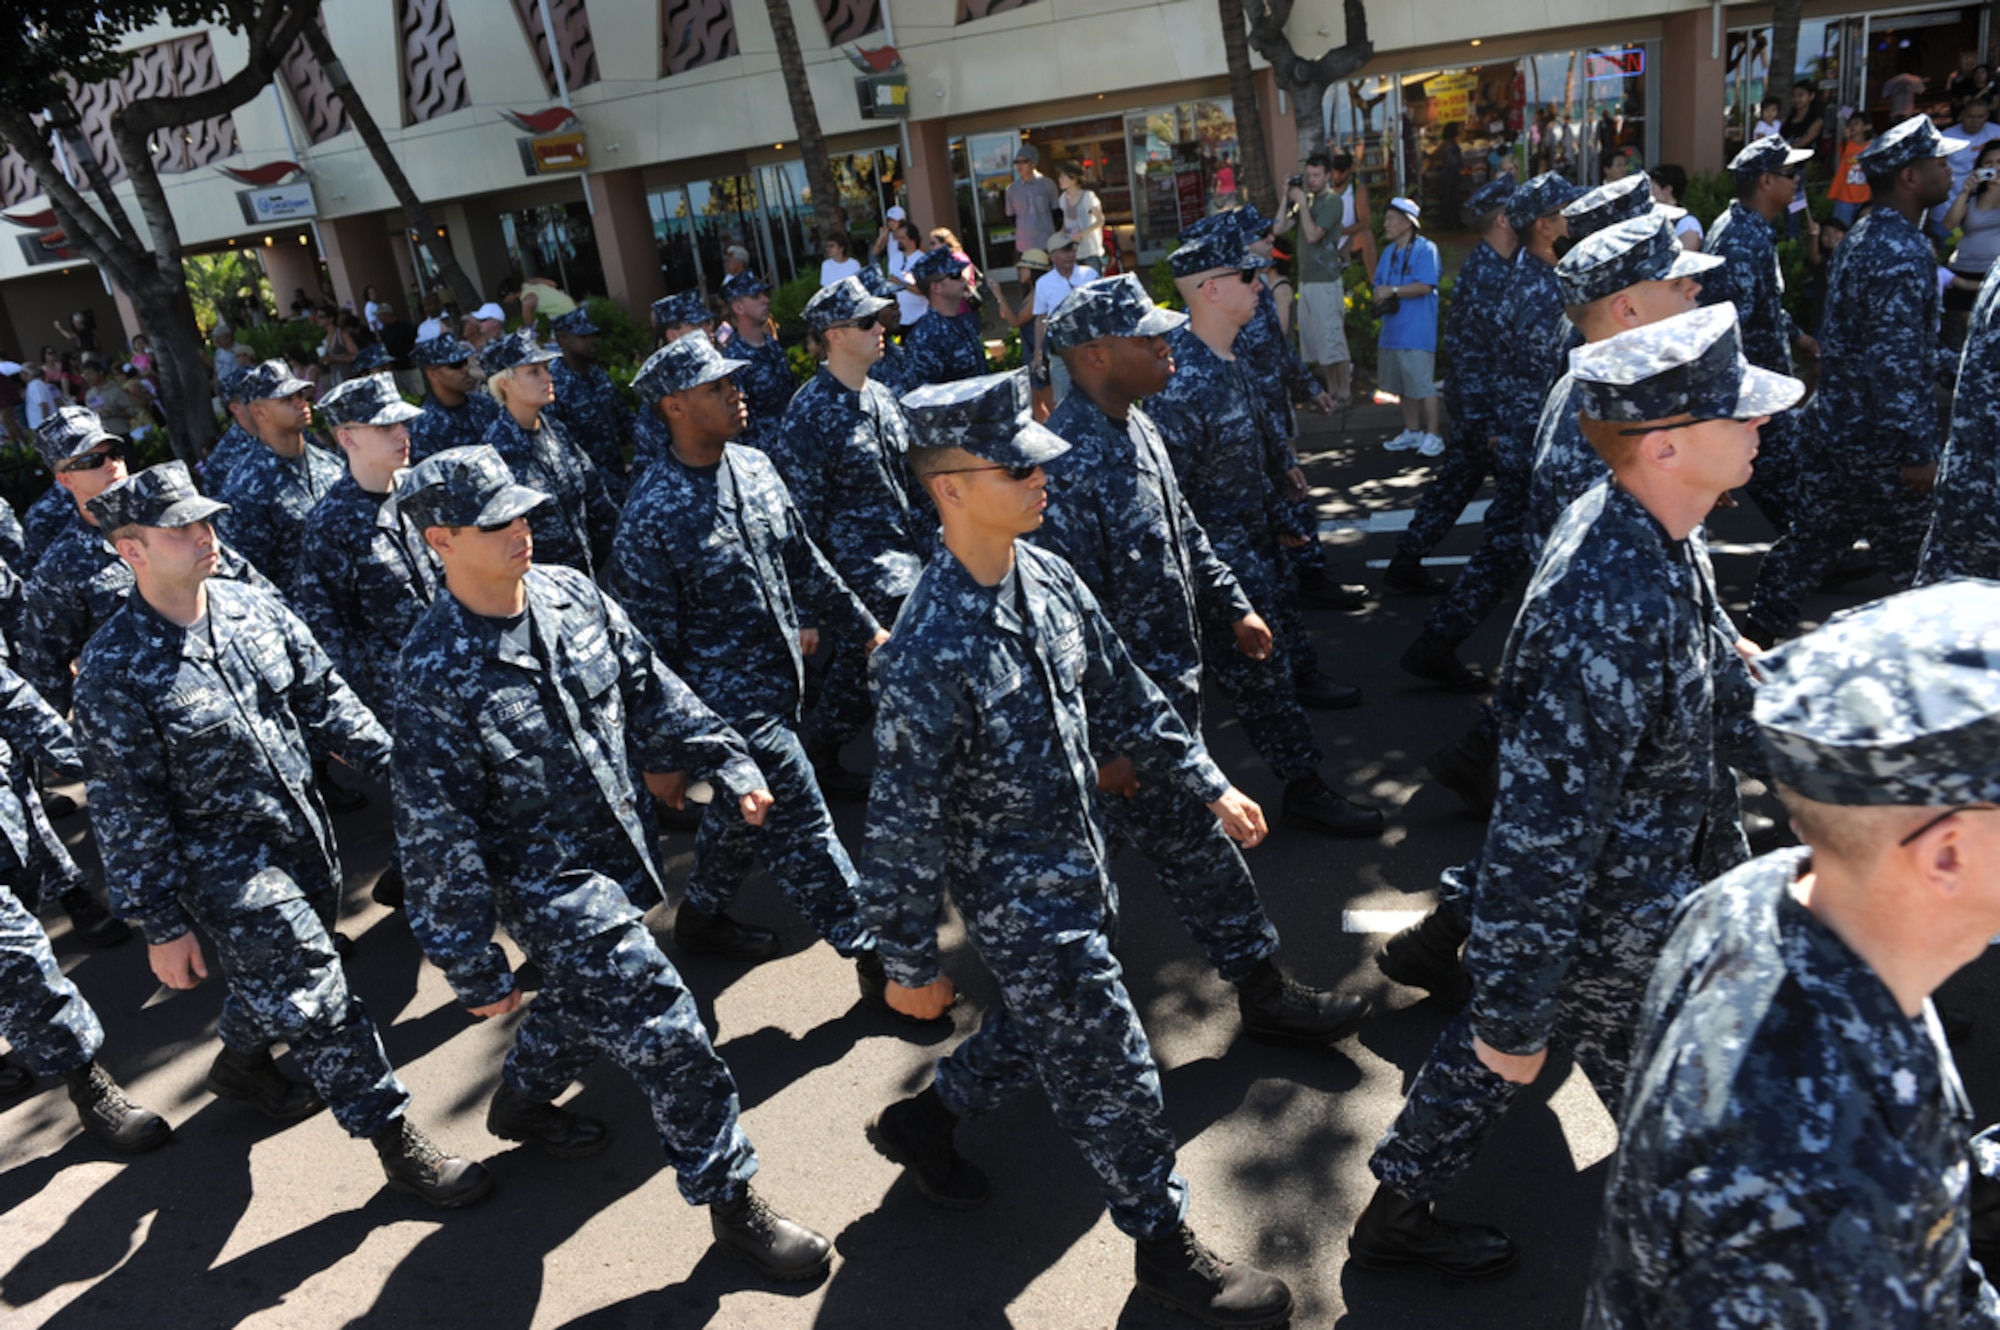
(279, 203)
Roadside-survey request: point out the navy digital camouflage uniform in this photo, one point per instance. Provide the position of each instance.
(942, 348)
(1622, 706)
(1875, 410)
(995, 705)
(441, 427)
(204, 808)
(594, 416)
(892, 371)
(1964, 539)
(844, 457)
(42, 1014)
(268, 496)
(13, 540)
(47, 517)
(231, 448)
(1750, 278)
(1794, 1146)
(516, 806)
(576, 527)
(714, 566)
(1117, 515)
(767, 384)
(365, 575)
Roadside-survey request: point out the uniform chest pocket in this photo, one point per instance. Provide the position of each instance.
(273, 664)
(1066, 656)
(514, 727)
(196, 720)
(591, 657)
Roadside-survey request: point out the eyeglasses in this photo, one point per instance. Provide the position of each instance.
(92, 461)
(1791, 173)
(865, 323)
(1948, 813)
(1243, 275)
(1013, 472)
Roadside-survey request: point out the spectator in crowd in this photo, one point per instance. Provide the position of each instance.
(1330, 210)
(1849, 190)
(1901, 93)
(1029, 267)
(1031, 202)
(1451, 174)
(372, 310)
(1082, 215)
(1770, 119)
(305, 368)
(1807, 121)
(142, 354)
(944, 238)
(397, 334)
(227, 357)
(114, 407)
(1975, 129)
(1975, 213)
(13, 398)
(337, 348)
(837, 263)
(1406, 282)
(484, 324)
(902, 246)
(42, 397)
(1975, 86)
(80, 332)
(1670, 184)
(1051, 289)
(736, 260)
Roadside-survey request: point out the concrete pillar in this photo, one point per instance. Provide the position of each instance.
(291, 267)
(933, 191)
(1689, 81)
(625, 245)
(358, 256)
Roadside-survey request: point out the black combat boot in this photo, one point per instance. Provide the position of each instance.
(1407, 576)
(1435, 659)
(15, 1080)
(916, 1133)
(874, 985)
(1178, 1271)
(1310, 804)
(417, 1167)
(1317, 692)
(388, 889)
(91, 921)
(254, 1078)
(1273, 1003)
(706, 934)
(750, 1230)
(1318, 590)
(1470, 768)
(566, 1135)
(109, 1116)
(1425, 955)
(1396, 1231)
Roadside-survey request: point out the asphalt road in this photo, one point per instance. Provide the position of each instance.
(240, 1223)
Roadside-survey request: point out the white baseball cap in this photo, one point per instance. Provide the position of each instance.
(490, 310)
(896, 214)
(1408, 208)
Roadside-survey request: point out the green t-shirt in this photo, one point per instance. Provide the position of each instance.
(1322, 261)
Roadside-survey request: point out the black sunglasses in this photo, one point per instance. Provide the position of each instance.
(93, 461)
(1948, 813)
(495, 528)
(1013, 472)
(1243, 275)
(865, 323)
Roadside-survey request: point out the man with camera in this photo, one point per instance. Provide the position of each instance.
(1329, 207)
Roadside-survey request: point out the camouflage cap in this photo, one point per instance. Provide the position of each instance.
(1619, 201)
(370, 358)
(842, 302)
(686, 309)
(372, 399)
(1894, 702)
(1540, 196)
(1208, 248)
(161, 496)
(272, 378)
(576, 323)
(1642, 249)
(678, 366)
(1112, 307)
(516, 348)
(69, 431)
(444, 349)
(230, 385)
(991, 416)
(1490, 197)
(464, 487)
(1689, 365)
(1912, 141)
(744, 285)
(936, 264)
(877, 282)
(1252, 223)
(1770, 153)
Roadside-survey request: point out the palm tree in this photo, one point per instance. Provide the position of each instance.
(805, 121)
(1784, 50)
(1253, 175)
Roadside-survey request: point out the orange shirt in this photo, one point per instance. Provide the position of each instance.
(1849, 184)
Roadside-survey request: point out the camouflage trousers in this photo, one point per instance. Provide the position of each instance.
(1065, 1023)
(1944, 557)
(1455, 1102)
(1844, 501)
(1455, 483)
(286, 986)
(1200, 869)
(1262, 691)
(41, 1012)
(1504, 557)
(617, 994)
(50, 871)
(797, 843)
(845, 708)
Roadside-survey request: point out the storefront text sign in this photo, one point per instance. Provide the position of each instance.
(279, 203)
(1451, 95)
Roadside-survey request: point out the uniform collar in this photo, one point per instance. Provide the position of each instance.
(1001, 609)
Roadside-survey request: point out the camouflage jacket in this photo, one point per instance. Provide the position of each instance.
(1750, 277)
(1621, 701)
(1967, 507)
(1794, 1147)
(30, 731)
(844, 456)
(1532, 327)
(196, 743)
(1118, 516)
(47, 518)
(712, 564)
(230, 449)
(441, 427)
(13, 540)
(892, 371)
(942, 348)
(1223, 456)
(269, 498)
(575, 528)
(767, 385)
(515, 796)
(1277, 375)
(1877, 398)
(365, 577)
(1565, 463)
(592, 414)
(994, 707)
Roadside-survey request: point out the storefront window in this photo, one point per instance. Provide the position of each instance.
(556, 242)
(1183, 167)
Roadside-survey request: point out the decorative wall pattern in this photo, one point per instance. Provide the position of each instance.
(844, 20)
(17, 182)
(969, 10)
(178, 68)
(312, 93)
(579, 49)
(433, 74)
(694, 33)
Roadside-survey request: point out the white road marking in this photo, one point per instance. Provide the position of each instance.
(1379, 921)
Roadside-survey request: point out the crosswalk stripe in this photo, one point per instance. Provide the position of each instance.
(1378, 921)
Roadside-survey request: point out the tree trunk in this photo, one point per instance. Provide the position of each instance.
(827, 214)
(183, 374)
(1306, 81)
(1253, 163)
(414, 211)
(1784, 51)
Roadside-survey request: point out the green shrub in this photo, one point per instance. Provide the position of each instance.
(1709, 194)
(623, 343)
(788, 304)
(271, 341)
(804, 364)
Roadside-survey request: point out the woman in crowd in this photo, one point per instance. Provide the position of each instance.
(838, 262)
(1975, 214)
(1082, 213)
(1670, 183)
